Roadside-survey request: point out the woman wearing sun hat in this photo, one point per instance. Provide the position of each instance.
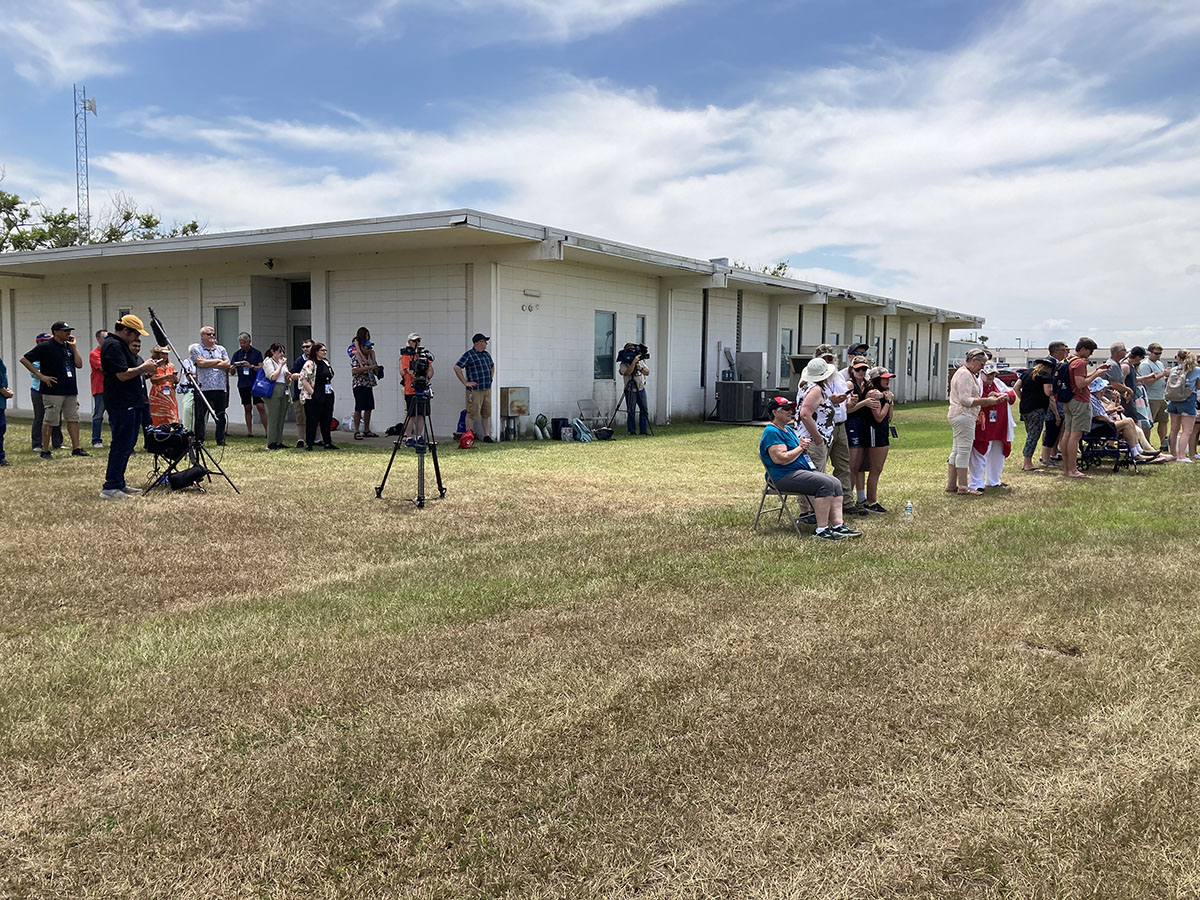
(814, 413)
(966, 398)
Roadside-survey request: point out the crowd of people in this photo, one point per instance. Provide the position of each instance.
(1061, 399)
(840, 418)
(137, 393)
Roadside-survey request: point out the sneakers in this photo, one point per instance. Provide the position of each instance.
(331, 446)
(828, 535)
(487, 439)
(97, 445)
(129, 492)
(4, 462)
(844, 531)
(875, 507)
(113, 494)
(46, 454)
(410, 442)
(79, 451)
(807, 519)
(300, 444)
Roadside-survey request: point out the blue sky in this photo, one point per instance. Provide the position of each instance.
(1036, 162)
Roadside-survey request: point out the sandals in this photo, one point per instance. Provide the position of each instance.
(358, 435)
(368, 434)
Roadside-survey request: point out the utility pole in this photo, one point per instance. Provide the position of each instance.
(83, 201)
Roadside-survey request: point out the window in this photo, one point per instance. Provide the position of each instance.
(834, 338)
(908, 362)
(785, 350)
(606, 330)
(123, 311)
(933, 364)
(876, 358)
(891, 360)
(300, 295)
(640, 330)
(225, 323)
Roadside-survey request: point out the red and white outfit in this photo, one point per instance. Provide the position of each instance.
(993, 439)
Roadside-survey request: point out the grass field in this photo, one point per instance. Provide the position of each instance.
(583, 675)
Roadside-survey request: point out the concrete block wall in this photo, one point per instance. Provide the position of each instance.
(687, 399)
(35, 309)
(548, 342)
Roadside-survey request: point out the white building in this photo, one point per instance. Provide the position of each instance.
(557, 304)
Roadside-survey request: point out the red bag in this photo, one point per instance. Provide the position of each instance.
(467, 441)
(333, 426)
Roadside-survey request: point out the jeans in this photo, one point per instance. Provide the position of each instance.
(3, 429)
(632, 396)
(218, 400)
(97, 417)
(1034, 422)
(125, 424)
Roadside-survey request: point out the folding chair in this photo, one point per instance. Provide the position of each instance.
(771, 489)
(590, 413)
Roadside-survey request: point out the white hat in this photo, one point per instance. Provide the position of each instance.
(817, 370)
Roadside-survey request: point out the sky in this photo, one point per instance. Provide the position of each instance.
(1031, 161)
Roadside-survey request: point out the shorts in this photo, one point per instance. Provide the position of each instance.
(61, 408)
(247, 397)
(479, 404)
(364, 398)
(1078, 416)
(1175, 407)
(856, 429)
(1158, 412)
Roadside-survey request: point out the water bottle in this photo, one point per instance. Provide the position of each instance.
(908, 512)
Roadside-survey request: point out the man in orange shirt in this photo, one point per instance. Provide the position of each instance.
(97, 390)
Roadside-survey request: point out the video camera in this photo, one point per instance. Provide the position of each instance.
(418, 366)
(628, 353)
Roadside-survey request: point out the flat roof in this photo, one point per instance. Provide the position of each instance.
(443, 230)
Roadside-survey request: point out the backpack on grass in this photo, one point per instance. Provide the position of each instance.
(582, 432)
(1064, 391)
(1177, 389)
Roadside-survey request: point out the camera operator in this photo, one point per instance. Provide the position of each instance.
(633, 368)
(416, 368)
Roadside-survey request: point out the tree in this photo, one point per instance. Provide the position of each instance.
(30, 225)
(983, 339)
(778, 270)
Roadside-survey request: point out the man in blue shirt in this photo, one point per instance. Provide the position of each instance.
(247, 360)
(783, 454)
(476, 371)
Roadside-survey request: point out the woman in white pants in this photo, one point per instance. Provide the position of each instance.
(993, 434)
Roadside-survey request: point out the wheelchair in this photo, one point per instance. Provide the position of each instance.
(1102, 446)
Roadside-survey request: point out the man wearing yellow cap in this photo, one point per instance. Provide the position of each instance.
(124, 398)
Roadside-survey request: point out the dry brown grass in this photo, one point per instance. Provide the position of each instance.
(583, 676)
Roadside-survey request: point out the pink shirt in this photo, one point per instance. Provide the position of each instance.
(964, 387)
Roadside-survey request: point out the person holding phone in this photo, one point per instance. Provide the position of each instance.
(58, 362)
(316, 390)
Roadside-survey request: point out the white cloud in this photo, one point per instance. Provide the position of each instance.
(525, 20)
(992, 180)
(64, 40)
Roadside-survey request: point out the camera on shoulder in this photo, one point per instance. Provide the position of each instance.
(628, 353)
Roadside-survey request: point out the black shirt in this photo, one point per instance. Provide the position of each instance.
(1033, 392)
(115, 356)
(58, 361)
(295, 367)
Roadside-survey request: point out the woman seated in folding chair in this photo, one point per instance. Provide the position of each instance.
(782, 453)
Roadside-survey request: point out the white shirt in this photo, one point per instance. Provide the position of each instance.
(839, 383)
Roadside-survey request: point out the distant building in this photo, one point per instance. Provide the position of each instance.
(558, 306)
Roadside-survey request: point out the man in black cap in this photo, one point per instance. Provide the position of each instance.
(476, 371)
(58, 362)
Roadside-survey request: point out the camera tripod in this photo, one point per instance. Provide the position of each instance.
(197, 453)
(625, 398)
(420, 407)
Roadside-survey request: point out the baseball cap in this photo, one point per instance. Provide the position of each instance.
(61, 326)
(480, 336)
(823, 349)
(43, 337)
(879, 372)
(990, 368)
(131, 321)
(416, 337)
(856, 349)
(780, 403)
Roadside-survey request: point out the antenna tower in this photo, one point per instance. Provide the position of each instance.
(83, 202)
